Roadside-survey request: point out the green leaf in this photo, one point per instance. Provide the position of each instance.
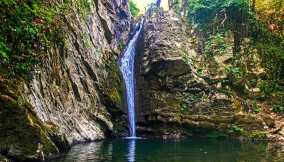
(133, 8)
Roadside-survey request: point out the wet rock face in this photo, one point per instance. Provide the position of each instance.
(77, 87)
(173, 99)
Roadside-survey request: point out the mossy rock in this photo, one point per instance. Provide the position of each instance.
(114, 83)
(114, 97)
(20, 129)
(257, 134)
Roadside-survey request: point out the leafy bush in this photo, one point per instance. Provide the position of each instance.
(278, 108)
(4, 52)
(256, 109)
(205, 11)
(268, 87)
(133, 8)
(236, 72)
(184, 108)
(236, 129)
(216, 45)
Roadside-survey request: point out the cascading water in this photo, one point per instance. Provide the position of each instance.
(127, 68)
(127, 64)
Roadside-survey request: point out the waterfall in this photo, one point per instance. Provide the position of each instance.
(127, 67)
(127, 63)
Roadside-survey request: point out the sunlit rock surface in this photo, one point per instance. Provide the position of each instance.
(175, 99)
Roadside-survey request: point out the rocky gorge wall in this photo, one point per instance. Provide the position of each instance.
(175, 99)
(75, 93)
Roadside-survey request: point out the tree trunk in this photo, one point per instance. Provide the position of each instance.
(237, 42)
(253, 6)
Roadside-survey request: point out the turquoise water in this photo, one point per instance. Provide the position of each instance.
(195, 150)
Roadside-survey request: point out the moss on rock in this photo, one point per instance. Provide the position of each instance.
(114, 96)
(20, 129)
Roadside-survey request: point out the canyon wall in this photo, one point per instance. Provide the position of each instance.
(176, 96)
(75, 93)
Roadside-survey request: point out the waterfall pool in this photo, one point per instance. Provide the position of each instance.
(190, 150)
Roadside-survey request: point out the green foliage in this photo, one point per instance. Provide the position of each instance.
(193, 97)
(133, 8)
(270, 11)
(83, 7)
(267, 87)
(188, 60)
(4, 52)
(27, 30)
(216, 45)
(278, 108)
(236, 129)
(249, 33)
(256, 109)
(200, 71)
(236, 72)
(121, 45)
(184, 108)
(86, 40)
(272, 54)
(257, 134)
(8, 2)
(205, 11)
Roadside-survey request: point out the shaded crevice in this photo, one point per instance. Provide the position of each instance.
(90, 71)
(74, 88)
(107, 31)
(85, 85)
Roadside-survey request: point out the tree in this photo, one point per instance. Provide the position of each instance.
(133, 8)
(253, 6)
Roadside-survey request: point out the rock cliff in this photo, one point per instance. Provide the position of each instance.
(175, 99)
(75, 93)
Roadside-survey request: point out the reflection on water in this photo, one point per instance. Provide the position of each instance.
(195, 150)
(131, 150)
